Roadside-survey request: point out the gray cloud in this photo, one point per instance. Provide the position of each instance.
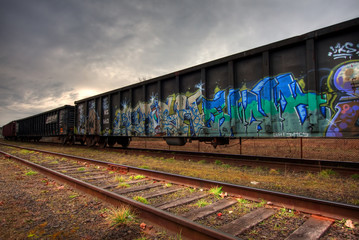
(55, 52)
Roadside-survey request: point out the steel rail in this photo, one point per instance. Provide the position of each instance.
(315, 206)
(297, 164)
(345, 168)
(164, 219)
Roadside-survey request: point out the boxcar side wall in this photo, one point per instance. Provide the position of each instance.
(307, 86)
(9, 130)
(56, 122)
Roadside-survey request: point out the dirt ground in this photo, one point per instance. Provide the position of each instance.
(35, 207)
(311, 148)
(335, 149)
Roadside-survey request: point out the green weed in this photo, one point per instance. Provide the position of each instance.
(273, 171)
(286, 213)
(327, 173)
(123, 185)
(202, 161)
(201, 203)
(191, 190)
(218, 162)
(243, 201)
(81, 169)
(24, 151)
(137, 177)
(226, 165)
(30, 173)
(261, 204)
(119, 178)
(32, 235)
(140, 199)
(216, 191)
(120, 216)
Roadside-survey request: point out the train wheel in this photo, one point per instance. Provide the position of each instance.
(90, 141)
(72, 140)
(102, 142)
(125, 145)
(125, 141)
(111, 142)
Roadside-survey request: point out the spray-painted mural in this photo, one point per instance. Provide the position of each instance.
(106, 131)
(275, 106)
(81, 120)
(94, 126)
(343, 100)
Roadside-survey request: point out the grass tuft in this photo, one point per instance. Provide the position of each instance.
(201, 203)
(261, 204)
(119, 179)
(24, 151)
(327, 173)
(120, 216)
(30, 173)
(216, 191)
(137, 177)
(123, 185)
(273, 171)
(191, 190)
(218, 162)
(140, 199)
(243, 201)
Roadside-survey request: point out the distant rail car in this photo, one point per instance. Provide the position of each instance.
(305, 86)
(9, 131)
(58, 122)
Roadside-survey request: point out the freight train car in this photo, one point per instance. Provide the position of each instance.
(58, 122)
(9, 131)
(305, 86)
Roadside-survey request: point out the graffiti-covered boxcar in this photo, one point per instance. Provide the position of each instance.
(58, 122)
(305, 86)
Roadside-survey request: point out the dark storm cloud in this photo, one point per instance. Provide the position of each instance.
(55, 52)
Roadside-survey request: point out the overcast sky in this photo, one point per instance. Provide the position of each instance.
(53, 52)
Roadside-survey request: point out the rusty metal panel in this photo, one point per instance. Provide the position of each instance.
(93, 118)
(9, 130)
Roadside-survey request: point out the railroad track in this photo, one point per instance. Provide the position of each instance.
(173, 198)
(344, 168)
(291, 164)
